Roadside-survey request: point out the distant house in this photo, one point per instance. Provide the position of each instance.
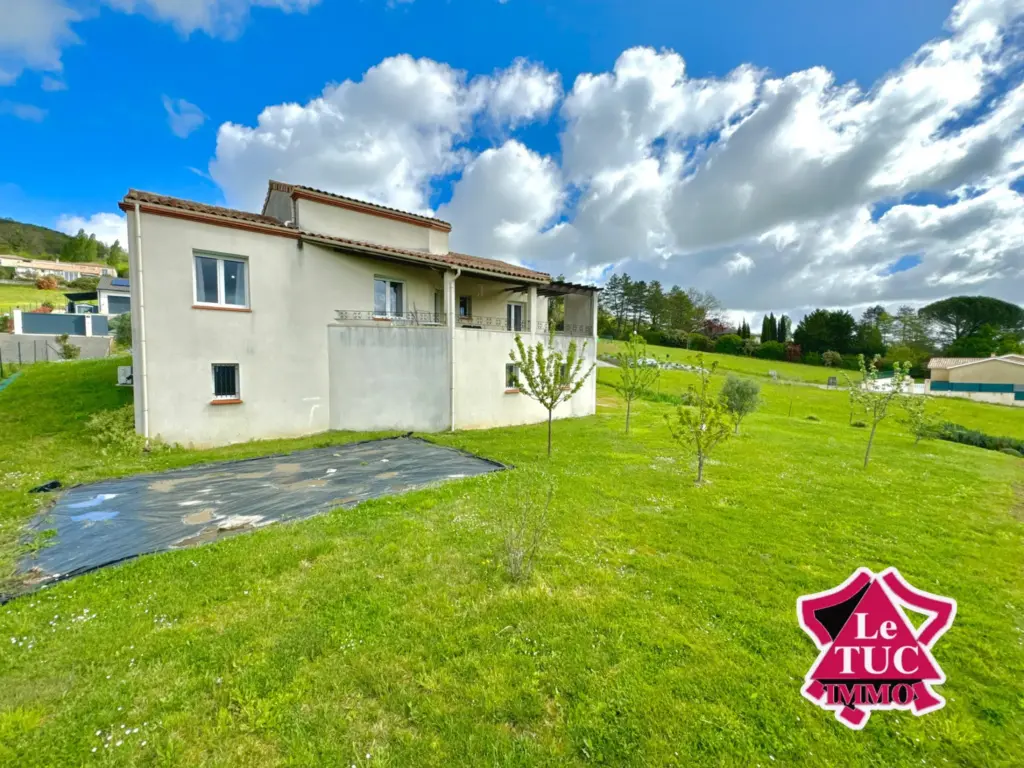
(64, 270)
(986, 379)
(324, 312)
(114, 295)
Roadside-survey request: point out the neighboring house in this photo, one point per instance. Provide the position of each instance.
(113, 295)
(324, 312)
(64, 270)
(987, 379)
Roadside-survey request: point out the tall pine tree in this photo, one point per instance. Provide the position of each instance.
(765, 330)
(784, 327)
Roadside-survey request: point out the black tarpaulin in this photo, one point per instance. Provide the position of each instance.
(109, 521)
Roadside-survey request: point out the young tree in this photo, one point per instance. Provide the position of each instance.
(703, 425)
(741, 397)
(638, 376)
(547, 375)
(914, 416)
(874, 401)
(66, 349)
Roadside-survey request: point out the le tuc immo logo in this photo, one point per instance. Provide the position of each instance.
(870, 655)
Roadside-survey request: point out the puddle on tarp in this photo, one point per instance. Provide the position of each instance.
(103, 523)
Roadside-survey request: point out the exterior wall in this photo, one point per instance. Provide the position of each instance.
(53, 324)
(996, 398)
(280, 346)
(355, 225)
(31, 347)
(279, 205)
(120, 304)
(66, 270)
(939, 374)
(990, 372)
(480, 397)
(389, 378)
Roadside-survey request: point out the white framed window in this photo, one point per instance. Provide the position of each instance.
(465, 306)
(225, 382)
(511, 377)
(220, 281)
(514, 312)
(388, 297)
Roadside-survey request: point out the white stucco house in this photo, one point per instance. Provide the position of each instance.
(325, 312)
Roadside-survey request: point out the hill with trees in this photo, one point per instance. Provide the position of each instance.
(34, 241)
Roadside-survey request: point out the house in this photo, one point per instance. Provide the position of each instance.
(112, 297)
(986, 379)
(63, 270)
(325, 312)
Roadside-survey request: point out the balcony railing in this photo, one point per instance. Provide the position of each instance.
(434, 319)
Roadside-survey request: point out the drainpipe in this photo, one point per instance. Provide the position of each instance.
(451, 342)
(144, 379)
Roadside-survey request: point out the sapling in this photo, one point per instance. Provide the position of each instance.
(638, 374)
(741, 397)
(703, 425)
(875, 402)
(526, 505)
(547, 375)
(914, 407)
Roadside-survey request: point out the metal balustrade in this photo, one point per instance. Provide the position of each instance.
(479, 322)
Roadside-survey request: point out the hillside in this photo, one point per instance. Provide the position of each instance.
(30, 239)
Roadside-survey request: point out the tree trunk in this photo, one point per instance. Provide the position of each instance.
(549, 434)
(700, 468)
(737, 426)
(871, 439)
(629, 404)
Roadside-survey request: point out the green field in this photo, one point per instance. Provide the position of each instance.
(658, 628)
(748, 366)
(27, 296)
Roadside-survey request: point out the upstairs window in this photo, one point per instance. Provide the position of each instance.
(465, 306)
(221, 281)
(388, 297)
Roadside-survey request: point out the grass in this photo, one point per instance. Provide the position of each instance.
(658, 628)
(748, 366)
(27, 295)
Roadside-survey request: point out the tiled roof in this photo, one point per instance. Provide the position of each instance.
(290, 188)
(457, 260)
(151, 198)
(953, 362)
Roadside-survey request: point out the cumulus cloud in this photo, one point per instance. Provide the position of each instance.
(522, 93)
(183, 117)
(33, 33)
(107, 227)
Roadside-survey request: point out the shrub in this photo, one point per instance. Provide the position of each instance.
(66, 349)
(6, 324)
(85, 283)
(812, 358)
(812, 417)
(47, 283)
(699, 342)
(858, 424)
(771, 350)
(741, 397)
(113, 432)
(793, 353)
(729, 344)
(1012, 452)
(955, 433)
(831, 359)
(7, 273)
(527, 504)
(122, 328)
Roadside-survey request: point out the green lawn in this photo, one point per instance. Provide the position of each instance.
(749, 366)
(26, 296)
(659, 627)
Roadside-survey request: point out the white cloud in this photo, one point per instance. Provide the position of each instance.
(522, 93)
(33, 33)
(28, 112)
(739, 263)
(184, 117)
(49, 83)
(107, 227)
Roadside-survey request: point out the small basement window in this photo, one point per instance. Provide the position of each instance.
(511, 376)
(225, 382)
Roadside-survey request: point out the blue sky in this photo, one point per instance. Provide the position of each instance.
(83, 121)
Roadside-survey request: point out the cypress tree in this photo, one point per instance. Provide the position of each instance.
(783, 329)
(765, 330)
(773, 327)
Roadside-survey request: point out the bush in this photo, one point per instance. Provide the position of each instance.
(771, 350)
(122, 329)
(47, 283)
(793, 353)
(812, 417)
(1012, 452)
(85, 283)
(699, 342)
(729, 344)
(831, 359)
(955, 433)
(740, 397)
(858, 424)
(524, 522)
(113, 432)
(7, 273)
(66, 349)
(812, 358)
(6, 324)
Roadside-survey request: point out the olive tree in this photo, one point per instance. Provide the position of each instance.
(875, 401)
(543, 373)
(741, 397)
(703, 424)
(639, 373)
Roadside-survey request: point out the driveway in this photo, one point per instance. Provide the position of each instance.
(113, 520)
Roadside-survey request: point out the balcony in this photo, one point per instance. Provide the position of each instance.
(471, 322)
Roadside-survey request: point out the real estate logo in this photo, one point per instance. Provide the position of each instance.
(871, 656)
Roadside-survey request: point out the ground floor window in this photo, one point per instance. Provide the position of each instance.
(225, 382)
(388, 297)
(511, 376)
